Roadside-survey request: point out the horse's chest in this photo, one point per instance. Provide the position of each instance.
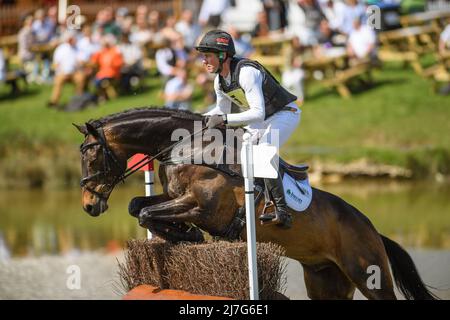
(176, 182)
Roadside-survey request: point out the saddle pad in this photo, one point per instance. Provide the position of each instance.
(298, 193)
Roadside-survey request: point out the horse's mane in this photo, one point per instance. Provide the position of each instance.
(145, 112)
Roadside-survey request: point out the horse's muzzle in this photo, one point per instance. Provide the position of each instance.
(95, 209)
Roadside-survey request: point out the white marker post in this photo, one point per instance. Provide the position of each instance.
(262, 168)
(149, 188)
(247, 171)
(149, 178)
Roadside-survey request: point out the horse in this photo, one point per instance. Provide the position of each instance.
(335, 243)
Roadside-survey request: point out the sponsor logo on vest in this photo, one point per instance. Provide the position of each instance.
(293, 196)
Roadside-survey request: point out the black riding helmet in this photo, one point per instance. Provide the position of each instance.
(219, 42)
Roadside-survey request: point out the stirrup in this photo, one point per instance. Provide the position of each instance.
(265, 216)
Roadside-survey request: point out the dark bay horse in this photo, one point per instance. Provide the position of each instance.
(335, 243)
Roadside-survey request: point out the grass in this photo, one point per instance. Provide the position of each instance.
(398, 121)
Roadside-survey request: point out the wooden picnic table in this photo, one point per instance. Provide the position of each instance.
(8, 41)
(43, 48)
(435, 18)
(408, 45)
(439, 72)
(271, 50)
(337, 71)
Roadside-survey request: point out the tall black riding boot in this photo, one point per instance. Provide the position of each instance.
(281, 216)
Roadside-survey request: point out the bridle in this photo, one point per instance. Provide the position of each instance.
(110, 160)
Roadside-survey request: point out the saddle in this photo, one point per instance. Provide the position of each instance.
(299, 172)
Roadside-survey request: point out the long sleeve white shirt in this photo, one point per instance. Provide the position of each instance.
(250, 80)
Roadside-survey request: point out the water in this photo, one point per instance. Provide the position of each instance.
(34, 223)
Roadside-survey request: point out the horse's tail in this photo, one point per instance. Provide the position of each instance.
(405, 272)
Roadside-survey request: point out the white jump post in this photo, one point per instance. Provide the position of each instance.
(247, 170)
(261, 167)
(149, 178)
(149, 187)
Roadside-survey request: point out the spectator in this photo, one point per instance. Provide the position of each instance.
(169, 61)
(109, 61)
(211, 12)
(104, 24)
(243, 48)
(292, 77)
(361, 42)
(444, 40)
(43, 28)
(313, 16)
(121, 17)
(334, 13)
(352, 10)
(178, 92)
(52, 22)
(262, 28)
(141, 11)
(327, 36)
(66, 68)
(141, 35)
(2, 66)
(86, 46)
(169, 31)
(25, 40)
(188, 29)
(132, 57)
(154, 25)
(276, 14)
(109, 25)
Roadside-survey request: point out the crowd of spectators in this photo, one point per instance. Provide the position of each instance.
(115, 49)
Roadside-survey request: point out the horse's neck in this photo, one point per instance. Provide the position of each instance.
(148, 136)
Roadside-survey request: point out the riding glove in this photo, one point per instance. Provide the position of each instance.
(216, 120)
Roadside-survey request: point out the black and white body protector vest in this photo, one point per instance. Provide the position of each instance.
(275, 96)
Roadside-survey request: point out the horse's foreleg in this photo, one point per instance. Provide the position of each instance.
(137, 203)
(175, 210)
(175, 232)
(166, 220)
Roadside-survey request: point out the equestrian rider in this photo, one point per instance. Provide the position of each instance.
(267, 105)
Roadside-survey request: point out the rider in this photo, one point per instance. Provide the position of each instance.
(268, 105)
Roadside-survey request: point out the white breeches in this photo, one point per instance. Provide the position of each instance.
(276, 129)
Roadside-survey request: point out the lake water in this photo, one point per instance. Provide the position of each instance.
(34, 223)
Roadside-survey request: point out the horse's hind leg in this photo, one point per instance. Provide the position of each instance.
(368, 269)
(327, 283)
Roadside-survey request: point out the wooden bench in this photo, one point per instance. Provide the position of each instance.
(271, 51)
(437, 19)
(439, 72)
(338, 72)
(408, 45)
(343, 77)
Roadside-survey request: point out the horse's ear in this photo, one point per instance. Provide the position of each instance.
(81, 128)
(91, 130)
